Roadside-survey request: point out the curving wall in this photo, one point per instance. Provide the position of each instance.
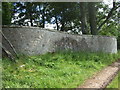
(34, 40)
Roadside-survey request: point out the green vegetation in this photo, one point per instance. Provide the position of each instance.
(6, 13)
(115, 82)
(54, 70)
(88, 17)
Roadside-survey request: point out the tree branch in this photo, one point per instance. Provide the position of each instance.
(9, 44)
(9, 55)
(108, 16)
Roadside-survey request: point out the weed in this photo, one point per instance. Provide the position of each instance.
(54, 70)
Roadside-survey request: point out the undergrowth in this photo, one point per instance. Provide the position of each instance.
(54, 70)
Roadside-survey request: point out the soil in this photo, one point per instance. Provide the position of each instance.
(103, 77)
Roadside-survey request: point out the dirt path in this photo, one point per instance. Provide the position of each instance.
(102, 78)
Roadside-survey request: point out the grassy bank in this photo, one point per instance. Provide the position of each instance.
(115, 83)
(54, 70)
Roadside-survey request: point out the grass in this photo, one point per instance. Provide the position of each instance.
(54, 70)
(115, 83)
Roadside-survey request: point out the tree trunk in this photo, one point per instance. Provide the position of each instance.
(83, 17)
(63, 26)
(10, 44)
(92, 18)
(56, 21)
(30, 12)
(43, 23)
(31, 21)
(9, 55)
(43, 18)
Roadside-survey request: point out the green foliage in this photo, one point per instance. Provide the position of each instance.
(54, 70)
(65, 13)
(25, 11)
(6, 13)
(110, 30)
(66, 16)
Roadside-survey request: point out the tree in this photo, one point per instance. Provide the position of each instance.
(83, 18)
(6, 13)
(64, 14)
(0, 13)
(26, 13)
(110, 14)
(31, 12)
(43, 13)
(92, 18)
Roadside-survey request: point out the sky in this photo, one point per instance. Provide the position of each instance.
(109, 2)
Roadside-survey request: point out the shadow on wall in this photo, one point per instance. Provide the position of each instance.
(67, 43)
(32, 41)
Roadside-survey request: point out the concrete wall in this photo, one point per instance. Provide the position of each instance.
(31, 40)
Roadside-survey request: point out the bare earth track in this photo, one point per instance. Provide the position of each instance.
(102, 78)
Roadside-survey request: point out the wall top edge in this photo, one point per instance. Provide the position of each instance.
(16, 26)
(52, 0)
(53, 30)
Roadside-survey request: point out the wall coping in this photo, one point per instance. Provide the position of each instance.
(53, 30)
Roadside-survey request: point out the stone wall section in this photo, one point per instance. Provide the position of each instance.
(34, 40)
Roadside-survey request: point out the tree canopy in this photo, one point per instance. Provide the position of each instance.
(88, 17)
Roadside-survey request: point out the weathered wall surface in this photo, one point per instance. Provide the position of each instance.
(32, 41)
